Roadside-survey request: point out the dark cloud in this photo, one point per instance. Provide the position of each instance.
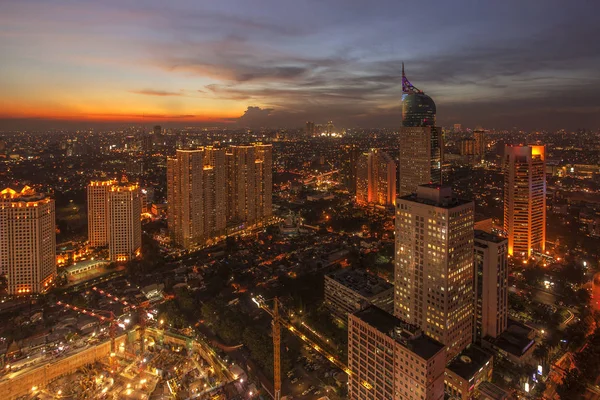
(151, 92)
(255, 117)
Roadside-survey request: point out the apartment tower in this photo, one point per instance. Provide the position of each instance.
(434, 265)
(27, 240)
(376, 178)
(525, 199)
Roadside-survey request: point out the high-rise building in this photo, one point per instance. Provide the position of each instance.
(525, 199)
(209, 187)
(480, 142)
(391, 359)
(310, 129)
(27, 240)
(421, 143)
(125, 226)
(467, 147)
(491, 285)
(196, 193)
(350, 166)
(457, 127)
(157, 130)
(376, 178)
(114, 218)
(434, 265)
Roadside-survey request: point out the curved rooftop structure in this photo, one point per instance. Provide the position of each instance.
(418, 109)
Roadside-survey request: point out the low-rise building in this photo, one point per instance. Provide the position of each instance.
(466, 371)
(348, 290)
(391, 359)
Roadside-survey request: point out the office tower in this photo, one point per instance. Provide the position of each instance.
(421, 147)
(27, 240)
(525, 199)
(97, 202)
(491, 285)
(310, 129)
(124, 218)
(434, 265)
(350, 166)
(349, 290)
(330, 128)
(480, 144)
(2, 146)
(114, 218)
(209, 188)
(376, 178)
(391, 359)
(196, 193)
(157, 130)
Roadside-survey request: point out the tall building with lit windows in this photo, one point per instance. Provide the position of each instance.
(125, 226)
(525, 199)
(114, 218)
(376, 178)
(391, 359)
(97, 202)
(27, 240)
(434, 265)
(209, 189)
(421, 142)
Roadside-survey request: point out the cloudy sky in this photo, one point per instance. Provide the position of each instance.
(531, 64)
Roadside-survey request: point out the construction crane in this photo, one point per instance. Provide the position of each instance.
(96, 314)
(141, 308)
(261, 303)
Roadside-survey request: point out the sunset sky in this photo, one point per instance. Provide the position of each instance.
(532, 64)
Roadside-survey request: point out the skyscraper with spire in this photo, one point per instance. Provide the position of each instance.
(421, 147)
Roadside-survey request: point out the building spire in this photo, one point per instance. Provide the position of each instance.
(408, 87)
(403, 75)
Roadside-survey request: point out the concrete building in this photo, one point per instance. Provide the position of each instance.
(27, 240)
(421, 142)
(525, 199)
(125, 226)
(97, 202)
(376, 178)
(467, 147)
(210, 188)
(434, 265)
(391, 359)
(348, 291)
(480, 142)
(466, 372)
(491, 285)
(114, 218)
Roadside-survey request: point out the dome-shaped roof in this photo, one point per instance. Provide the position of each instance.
(418, 109)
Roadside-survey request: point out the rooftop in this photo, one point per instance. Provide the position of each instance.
(489, 237)
(515, 339)
(365, 284)
(404, 333)
(436, 195)
(470, 361)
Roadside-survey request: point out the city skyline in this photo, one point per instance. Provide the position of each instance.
(277, 65)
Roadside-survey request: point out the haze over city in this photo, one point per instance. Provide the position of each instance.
(263, 63)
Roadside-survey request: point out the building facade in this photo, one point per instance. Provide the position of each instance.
(114, 218)
(348, 291)
(421, 142)
(480, 142)
(210, 188)
(525, 199)
(434, 265)
(27, 240)
(391, 359)
(491, 285)
(376, 178)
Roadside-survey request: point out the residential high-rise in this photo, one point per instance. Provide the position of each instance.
(209, 188)
(480, 144)
(196, 195)
(391, 359)
(27, 240)
(124, 218)
(114, 218)
(434, 265)
(467, 147)
(97, 202)
(350, 166)
(491, 285)
(525, 199)
(309, 131)
(421, 142)
(376, 178)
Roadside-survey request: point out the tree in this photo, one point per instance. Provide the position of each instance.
(572, 386)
